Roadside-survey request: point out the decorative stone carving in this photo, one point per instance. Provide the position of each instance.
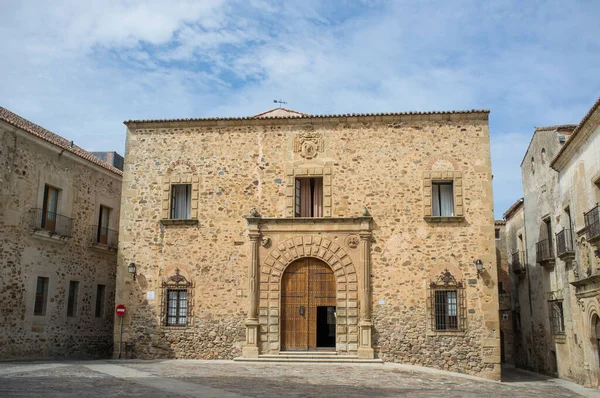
(445, 278)
(177, 280)
(581, 304)
(365, 212)
(352, 241)
(254, 212)
(575, 269)
(308, 144)
(265, 242)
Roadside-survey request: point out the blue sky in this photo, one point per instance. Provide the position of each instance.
(81, 68)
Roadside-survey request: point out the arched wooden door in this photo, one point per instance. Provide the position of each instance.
(308, 300)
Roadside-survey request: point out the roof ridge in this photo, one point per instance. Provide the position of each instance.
(307, 116)
(284, 109)
(20, 122)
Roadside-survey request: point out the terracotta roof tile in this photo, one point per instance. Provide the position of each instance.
(297, 114)
(47, 135)
(307, 116)
(570, 127)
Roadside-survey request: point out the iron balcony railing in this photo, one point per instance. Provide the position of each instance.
(105, 236)
(592, 224)
(52, 222)
(543, 250)
(517, 263)
(564, 242)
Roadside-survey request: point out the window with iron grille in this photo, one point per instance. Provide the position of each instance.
(557, 320)
(447, 303)
(177, 300)
(41, 296)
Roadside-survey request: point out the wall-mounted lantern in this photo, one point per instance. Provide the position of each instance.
(132, 270)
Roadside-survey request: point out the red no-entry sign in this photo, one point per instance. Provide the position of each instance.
(120, 310)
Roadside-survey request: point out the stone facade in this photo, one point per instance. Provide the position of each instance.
(377, 234)
(67, 253)
(561, 184)
(504, 294)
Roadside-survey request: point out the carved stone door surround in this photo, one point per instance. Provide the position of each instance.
(344, 244)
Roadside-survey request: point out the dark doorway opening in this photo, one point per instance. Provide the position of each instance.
(326, 326)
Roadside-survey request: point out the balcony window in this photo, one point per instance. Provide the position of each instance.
(181, 199)
(564, 242)
(592, 225)
(442, 199)
(309, 197)
(50, 208)
(557, 320)
(103, 223)
(41, 296)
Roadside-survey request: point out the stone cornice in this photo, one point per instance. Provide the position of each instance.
(481, 115)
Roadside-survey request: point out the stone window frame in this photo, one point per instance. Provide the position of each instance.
(176, 282)
(447, 282)
(456, 177)
(179, 179)
(308, 172)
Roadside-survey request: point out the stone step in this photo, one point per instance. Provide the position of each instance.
(309, 358)
(304, 353)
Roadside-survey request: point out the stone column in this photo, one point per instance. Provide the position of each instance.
(252, 325)
(365, 350)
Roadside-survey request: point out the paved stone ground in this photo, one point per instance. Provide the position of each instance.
(191, 378)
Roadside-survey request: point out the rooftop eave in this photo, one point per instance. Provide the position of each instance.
(579, 135)
(346, 118)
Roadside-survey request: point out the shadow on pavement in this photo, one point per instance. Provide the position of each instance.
(510, 374)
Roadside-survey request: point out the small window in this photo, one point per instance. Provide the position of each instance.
(532, 165)
(497, 233)
(72, 299)
(446, 310)
(447, 303)
(50, 208)
(177, 292)
(181, 199)
(176, 307)
(103, 224)
(556, 317)
(41, 296)
(543, 155)
(309, 197)
(442, 198)
(501, 288)
(100, 299)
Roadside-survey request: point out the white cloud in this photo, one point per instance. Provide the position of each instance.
(80, 68)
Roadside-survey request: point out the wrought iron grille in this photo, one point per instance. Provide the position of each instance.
(564, 242)
(556, 317)
(592, 224)
(543, 250)
(176, 300)
(52, 222)
(447, 303)
(105, 236)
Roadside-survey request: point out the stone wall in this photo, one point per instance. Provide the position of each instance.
(27, 163)
(382, 163)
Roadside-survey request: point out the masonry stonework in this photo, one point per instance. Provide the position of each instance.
(377, 234)
(30, 158)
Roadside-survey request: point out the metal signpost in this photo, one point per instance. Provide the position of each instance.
(120, 310)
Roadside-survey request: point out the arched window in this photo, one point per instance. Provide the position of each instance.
(543, 155)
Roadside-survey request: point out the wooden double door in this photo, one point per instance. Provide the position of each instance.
(308, 305)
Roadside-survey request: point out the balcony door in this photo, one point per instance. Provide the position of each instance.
(103, 225)
(50, 208)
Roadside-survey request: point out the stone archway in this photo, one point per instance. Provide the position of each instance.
(308, 306)
(347, 285)
(344, 244)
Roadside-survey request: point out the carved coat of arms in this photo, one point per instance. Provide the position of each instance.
(308, 144)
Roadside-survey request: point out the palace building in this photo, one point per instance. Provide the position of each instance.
(291, 236)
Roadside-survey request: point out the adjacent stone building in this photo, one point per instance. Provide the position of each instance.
(559, 266)
(504, 294)
(366, 236)
(59, 213)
